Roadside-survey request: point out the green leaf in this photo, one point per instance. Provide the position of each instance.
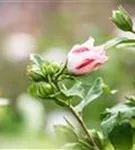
(71, 146)
(85, 144)
(98, 138)
(95, 91)
(122, 136)
(117, 115)
(108, 145)
(130, 100)
(77, 140)
(81, 144)
(116, 125)
(66, 133)
(107, 89)
(36, 59)
(76, 90)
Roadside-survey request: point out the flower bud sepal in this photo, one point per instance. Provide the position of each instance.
(41, 90)
(122, 19)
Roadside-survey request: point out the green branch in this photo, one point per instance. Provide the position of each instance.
(84, 127)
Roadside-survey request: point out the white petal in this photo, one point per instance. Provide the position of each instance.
(89, 43)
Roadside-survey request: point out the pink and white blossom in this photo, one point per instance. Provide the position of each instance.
(86, 57)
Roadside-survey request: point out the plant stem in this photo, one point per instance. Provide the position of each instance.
(61, 70)
(84, 127)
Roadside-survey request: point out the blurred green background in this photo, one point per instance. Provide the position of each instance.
(51, 28)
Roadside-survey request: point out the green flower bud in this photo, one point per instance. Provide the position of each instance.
(122, 20)
(41, 89)
(53, 68)
(50, 68)
(34, 72)
(44, 68)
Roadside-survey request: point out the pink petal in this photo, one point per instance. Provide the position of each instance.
(85, 63)
(80, 50)
(97, 65)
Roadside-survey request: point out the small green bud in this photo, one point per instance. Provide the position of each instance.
(122, 19)
(34, 72)
(44, 68)
(41, 89)
(53, 68)
(50, 68)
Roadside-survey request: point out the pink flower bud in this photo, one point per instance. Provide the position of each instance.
(85, 58)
